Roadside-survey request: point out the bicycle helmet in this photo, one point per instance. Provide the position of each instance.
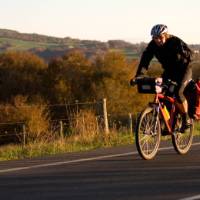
(158, 29)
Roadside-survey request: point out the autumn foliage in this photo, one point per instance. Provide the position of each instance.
(28, 79)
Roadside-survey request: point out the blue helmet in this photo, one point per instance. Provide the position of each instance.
(158, 29)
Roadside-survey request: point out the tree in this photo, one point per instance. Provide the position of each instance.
(112, 80)
(21, 73)
(70, 78)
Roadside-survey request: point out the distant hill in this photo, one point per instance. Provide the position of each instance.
(48, 47)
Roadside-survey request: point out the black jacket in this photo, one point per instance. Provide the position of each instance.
(174, 57)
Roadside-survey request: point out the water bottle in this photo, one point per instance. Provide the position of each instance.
(166, 113)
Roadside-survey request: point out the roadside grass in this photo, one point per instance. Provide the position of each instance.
(73, 143)
(197, 128)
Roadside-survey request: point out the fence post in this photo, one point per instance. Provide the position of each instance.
(61, 129)
(97, 124)
(76, 102)
(130, 120)
(105, 116)
(24, 134)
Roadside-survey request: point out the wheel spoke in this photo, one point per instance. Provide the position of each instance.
(148, 134)
(182, 141)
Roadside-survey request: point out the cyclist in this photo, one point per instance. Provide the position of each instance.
(174, 56)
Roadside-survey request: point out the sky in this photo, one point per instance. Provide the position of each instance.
(129, 20)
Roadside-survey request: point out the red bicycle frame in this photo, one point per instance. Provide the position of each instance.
(160, 99)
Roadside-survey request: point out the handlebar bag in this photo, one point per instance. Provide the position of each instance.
(146, 85)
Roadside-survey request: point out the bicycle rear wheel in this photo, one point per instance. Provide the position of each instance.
(148, 133)
(182, 141)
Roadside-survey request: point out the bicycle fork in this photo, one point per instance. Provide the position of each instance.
(155, 117)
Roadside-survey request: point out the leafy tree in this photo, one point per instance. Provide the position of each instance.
(21, 73)
(70, 78)
(112, 80)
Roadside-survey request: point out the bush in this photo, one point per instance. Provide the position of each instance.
(84, 125)
(35, 117)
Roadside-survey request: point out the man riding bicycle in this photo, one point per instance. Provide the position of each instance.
(174, 56)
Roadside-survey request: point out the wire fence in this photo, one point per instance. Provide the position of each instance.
(61, 118)
(65, 116)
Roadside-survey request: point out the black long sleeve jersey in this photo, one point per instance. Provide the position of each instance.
(174, 57)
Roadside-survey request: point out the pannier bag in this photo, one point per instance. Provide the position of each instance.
(197, 105)
(192, 93)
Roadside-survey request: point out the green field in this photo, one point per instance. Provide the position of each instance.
(14, 44)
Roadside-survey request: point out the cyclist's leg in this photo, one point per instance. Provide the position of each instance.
(182, 103)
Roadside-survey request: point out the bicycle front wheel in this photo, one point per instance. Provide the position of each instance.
(148, 133)
(182, 141)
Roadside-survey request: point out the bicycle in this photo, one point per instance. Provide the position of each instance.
(160, 118)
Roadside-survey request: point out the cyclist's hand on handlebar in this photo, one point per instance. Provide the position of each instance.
(159, 81)
(133, 81)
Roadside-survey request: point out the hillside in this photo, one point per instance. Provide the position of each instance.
(48, 47)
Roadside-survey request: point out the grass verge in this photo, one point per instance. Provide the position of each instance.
(74, 143)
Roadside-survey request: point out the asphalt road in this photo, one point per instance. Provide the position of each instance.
(104, 174)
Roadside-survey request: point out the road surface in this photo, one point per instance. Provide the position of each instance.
(104, 174)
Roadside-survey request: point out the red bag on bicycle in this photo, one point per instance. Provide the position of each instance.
(192, 93)
(197, 105)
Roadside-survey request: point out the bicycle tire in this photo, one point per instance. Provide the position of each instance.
(148, 133)
(182, 141)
